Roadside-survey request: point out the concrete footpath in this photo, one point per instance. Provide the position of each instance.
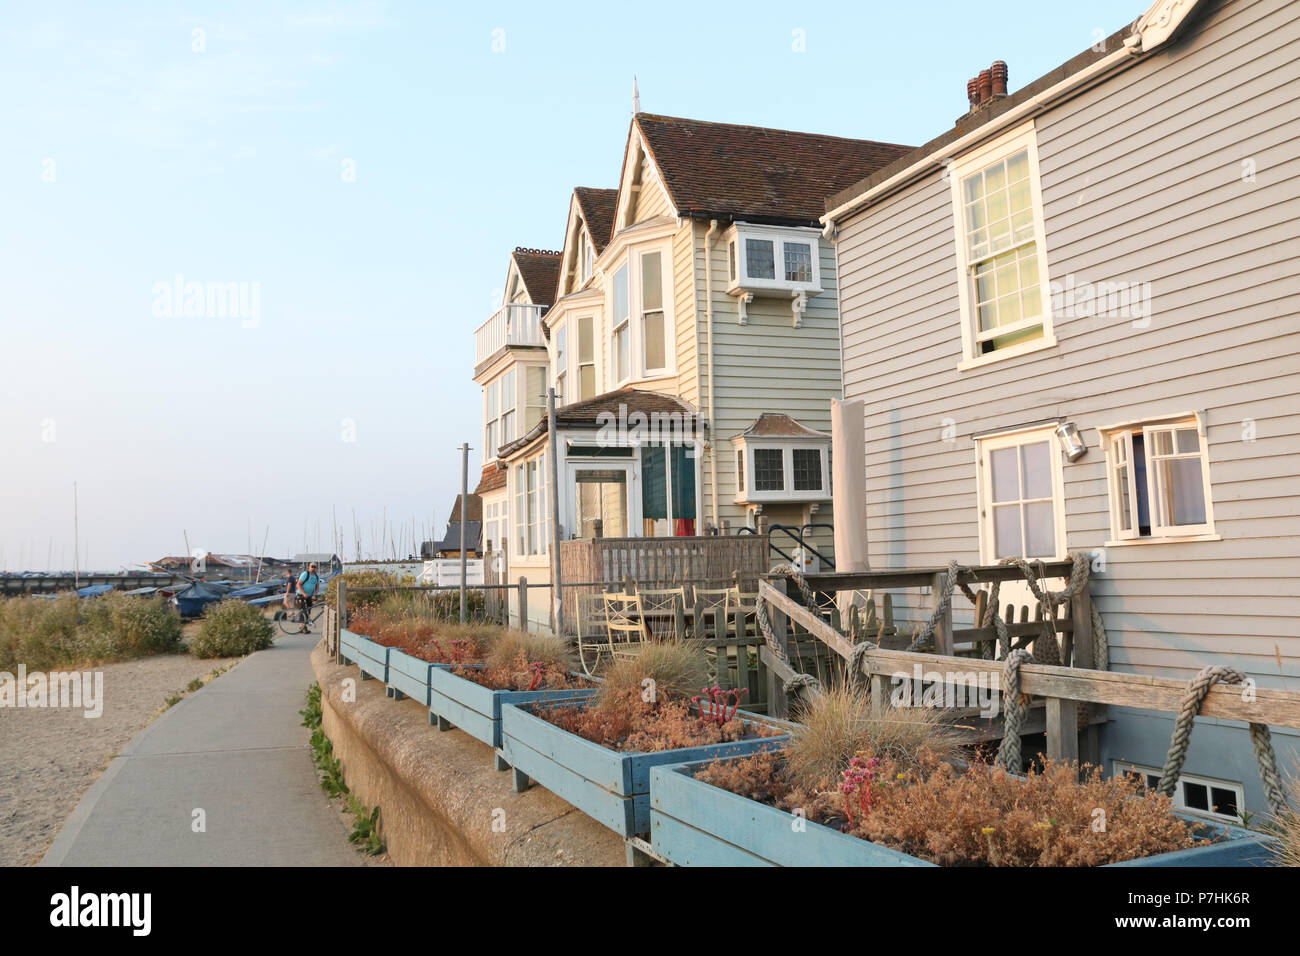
(235, 750)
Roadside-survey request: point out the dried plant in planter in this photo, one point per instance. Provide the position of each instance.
(519, 660)
(840, 725)
(645, 704)
(429, 640)
(977, 815)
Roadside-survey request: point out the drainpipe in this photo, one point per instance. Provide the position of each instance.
(708, 325)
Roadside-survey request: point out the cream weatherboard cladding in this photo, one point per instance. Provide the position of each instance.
(1146, 177)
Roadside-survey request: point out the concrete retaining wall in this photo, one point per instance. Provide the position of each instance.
(441, 802)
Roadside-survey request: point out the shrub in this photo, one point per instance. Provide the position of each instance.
(131, 626)
(678, 669)
(840, 725)
(70, 631)
(231, 628)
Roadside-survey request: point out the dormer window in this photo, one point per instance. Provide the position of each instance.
(761, 259)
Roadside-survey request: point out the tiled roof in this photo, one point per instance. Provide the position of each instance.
(475, 509)
(621, 401)
(492, 479)
(779, 425)
(598, 210)
(717, 170)
(540, 270)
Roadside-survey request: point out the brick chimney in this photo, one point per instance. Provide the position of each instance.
(988, 87)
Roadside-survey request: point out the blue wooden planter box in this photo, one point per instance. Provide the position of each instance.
(610, 786)
(370, 657)
(693, 823)
(409, 676)
(457, 702)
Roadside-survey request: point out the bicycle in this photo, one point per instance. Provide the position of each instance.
(291, 622)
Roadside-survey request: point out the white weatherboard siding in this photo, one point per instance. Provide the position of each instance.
(1141, 180)
(766, 365)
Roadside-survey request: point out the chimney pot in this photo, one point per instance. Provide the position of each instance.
(986, 86)
(973, 91)
(999, 75)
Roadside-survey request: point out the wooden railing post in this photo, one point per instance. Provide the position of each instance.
(1081, 624)
(943, 629)
(523, 604)
(777, 704)
(1062, 729)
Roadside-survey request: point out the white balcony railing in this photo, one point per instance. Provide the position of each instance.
(515, 324)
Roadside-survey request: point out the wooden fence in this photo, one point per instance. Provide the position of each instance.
(1069, 700)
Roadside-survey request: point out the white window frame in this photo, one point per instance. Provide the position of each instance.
(560, 337)
(999, 148)
(576, 352)
(984, 484)
(506, 399)
(742, 281)
(1121, 435)
(529, 489)
(635, 320)
(1179, 798)
(746, 490)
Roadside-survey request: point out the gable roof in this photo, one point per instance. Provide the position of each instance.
(540, 270)
(598, 210)
(755, 174)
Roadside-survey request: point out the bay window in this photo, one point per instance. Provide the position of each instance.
(531, 515)
(641, 319)
(621, 338)
(561, 362)
(762, 259)
(586, 357)
(498, 414)
(782, 470)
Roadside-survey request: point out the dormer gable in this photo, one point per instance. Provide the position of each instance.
(641, 192)
(585, 236)
(532, 276)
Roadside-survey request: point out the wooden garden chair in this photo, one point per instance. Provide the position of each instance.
(711, 611)
(593, 636)
(664, 611)
(624, 625)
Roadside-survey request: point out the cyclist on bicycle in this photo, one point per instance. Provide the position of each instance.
(308, 585)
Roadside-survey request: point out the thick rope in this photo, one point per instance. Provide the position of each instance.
(1197, 689)
(805, 684)
(1014, 706)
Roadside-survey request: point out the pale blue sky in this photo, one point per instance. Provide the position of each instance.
(128, 157)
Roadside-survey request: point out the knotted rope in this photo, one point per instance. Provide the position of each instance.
(1013, 710)
(1197, 689)
(806, 684)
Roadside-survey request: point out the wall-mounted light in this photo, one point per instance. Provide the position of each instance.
(1067, 433)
